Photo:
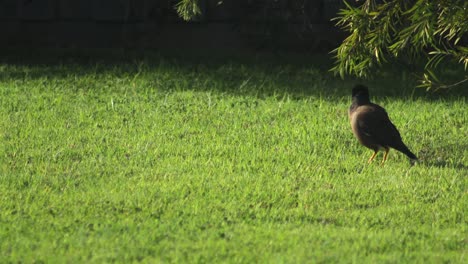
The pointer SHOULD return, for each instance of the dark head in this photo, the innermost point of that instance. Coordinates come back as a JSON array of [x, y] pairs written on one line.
[[361, 94]]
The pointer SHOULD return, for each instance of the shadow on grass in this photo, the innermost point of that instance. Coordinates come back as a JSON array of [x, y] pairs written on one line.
[[442, 156], [444, 164], [297, 75]]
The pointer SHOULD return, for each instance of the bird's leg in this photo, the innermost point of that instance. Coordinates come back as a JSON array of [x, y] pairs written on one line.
[[372, 157], [387, 150]]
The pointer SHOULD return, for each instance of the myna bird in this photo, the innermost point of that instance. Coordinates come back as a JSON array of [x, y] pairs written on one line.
[[373, 128]]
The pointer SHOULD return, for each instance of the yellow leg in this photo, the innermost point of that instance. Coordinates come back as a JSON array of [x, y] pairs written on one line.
[[387, 150], [372, 157]]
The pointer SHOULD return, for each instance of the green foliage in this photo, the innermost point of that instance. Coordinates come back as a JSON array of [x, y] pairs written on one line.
[[229, 163], [188, 9], [407, 30]]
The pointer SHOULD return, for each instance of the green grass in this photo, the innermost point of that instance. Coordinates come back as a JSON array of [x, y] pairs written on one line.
[[222, 162]]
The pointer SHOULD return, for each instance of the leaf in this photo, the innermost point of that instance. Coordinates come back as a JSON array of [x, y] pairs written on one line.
[[433, 75], [188, 9]]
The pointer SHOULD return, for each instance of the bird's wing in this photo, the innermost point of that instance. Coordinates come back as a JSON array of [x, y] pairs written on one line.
[[376, 124]]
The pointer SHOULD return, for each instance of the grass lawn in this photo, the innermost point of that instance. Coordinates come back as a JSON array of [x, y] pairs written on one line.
[[238, 162]]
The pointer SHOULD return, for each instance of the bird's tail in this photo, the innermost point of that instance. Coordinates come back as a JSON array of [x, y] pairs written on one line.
[[405, 150]]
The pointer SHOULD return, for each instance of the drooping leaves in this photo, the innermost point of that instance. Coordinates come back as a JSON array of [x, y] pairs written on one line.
[[389, 30]]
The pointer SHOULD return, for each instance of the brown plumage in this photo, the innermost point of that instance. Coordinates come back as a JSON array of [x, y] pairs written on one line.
[[373, 128]]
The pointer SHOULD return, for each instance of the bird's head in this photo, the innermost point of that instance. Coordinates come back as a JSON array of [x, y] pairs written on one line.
[[360, 95], [360, 91]]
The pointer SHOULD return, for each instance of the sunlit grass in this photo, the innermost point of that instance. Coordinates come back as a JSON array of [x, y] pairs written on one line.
[[230, 162]]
